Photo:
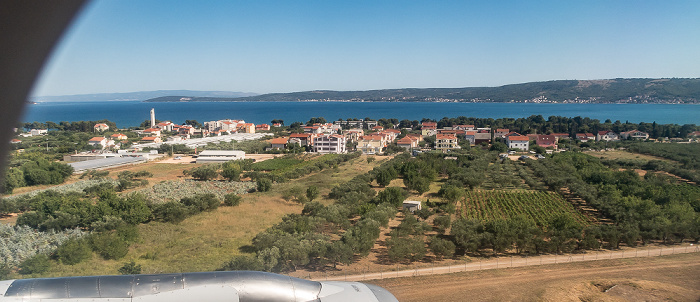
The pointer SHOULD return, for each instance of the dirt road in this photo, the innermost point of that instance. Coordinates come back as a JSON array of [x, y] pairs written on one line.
[[674, 277], [511, 262]]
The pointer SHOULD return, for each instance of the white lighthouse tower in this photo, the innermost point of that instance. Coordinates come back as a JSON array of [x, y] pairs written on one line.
[[153, 117]]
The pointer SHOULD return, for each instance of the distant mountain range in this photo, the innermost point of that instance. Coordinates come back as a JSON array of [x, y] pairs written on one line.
[[563, 91], [138, 96]]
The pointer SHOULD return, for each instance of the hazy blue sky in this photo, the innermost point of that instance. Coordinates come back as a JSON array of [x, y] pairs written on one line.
[[284, 46]]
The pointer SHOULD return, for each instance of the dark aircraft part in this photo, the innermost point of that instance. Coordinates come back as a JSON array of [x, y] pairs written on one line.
[[243, 286]]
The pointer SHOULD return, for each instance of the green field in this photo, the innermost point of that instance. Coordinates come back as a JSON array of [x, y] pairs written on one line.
[[538, 205]]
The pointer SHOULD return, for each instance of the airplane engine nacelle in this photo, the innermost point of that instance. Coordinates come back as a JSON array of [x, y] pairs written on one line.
[[235, 286]]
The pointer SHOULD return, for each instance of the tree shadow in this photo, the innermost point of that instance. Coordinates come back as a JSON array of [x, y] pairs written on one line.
[[247, 249]]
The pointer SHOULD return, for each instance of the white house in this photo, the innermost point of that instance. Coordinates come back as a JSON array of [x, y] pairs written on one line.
[[518, 142], [607, 136], [330, 144], [634, 134], [101, 127], [446, 142], [411, 205], [103, 142], [38, 132]]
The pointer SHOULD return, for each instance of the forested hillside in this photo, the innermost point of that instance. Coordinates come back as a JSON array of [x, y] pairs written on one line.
[[596, 91]]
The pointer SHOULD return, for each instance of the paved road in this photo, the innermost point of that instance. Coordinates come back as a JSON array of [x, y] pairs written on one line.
[[505, 262]]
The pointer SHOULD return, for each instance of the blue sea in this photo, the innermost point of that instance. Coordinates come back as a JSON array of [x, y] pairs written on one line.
[[133, 113]]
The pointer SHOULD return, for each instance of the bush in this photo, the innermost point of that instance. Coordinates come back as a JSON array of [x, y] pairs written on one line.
[[205, 172], [231, 171], [311, 193], [109, 245], [5, 271], [232, 200], [442, 248], [424, 213], [173, 212], [243, 263], [108, 223], [392, 195], [128, 233], [35, 265], [130, 268], [264, 184], [401, 248], [201, 202], [73, 251], [442, 223]]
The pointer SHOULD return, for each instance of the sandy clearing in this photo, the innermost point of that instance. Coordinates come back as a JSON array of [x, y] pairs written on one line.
[[664, 278]]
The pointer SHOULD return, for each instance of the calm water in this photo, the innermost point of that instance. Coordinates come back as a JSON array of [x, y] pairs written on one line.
[[127, 114]]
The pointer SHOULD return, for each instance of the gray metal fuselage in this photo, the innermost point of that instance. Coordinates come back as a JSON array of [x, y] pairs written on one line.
[[233, 286]]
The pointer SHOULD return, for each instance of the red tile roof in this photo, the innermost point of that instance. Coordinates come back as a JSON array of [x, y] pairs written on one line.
[[445, 136], [279, 141], [97, 139], [301, 135], [518, 138]]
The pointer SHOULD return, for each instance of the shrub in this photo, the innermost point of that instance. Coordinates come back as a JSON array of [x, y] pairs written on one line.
[[201, 202], [232, 200], [311, 193], [35, 265], [205, 172], [173, 212], [243, 263], [264, 184], [401, 248], [5, 271], [128, 233], [424, 213], [392, 195], [231, 171], [130, 268], [109, 245], [73, 251], [442, 223], [441, 247], [108, 223], [98, 189]]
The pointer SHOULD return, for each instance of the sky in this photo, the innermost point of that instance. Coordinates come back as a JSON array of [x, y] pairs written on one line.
[[265, 46]]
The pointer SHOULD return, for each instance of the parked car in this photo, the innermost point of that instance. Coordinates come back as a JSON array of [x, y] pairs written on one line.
[[539, 156], [523, 157], [178, 157]]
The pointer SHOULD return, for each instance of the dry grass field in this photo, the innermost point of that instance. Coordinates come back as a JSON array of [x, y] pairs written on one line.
[[619, 154], [204, 242], [667, 278]]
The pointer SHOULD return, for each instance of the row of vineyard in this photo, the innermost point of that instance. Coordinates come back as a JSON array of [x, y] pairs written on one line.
[[486, 205]]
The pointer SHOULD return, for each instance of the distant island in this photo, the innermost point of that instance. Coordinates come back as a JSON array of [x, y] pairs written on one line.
[[632, 91], [135, 96]]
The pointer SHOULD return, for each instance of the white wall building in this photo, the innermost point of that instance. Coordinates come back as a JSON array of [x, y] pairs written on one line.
[[218, 156], [330, 144], [518, 142]]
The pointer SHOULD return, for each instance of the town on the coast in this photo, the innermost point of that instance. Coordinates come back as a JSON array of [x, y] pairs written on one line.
[[315, 198], [128, 146]]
